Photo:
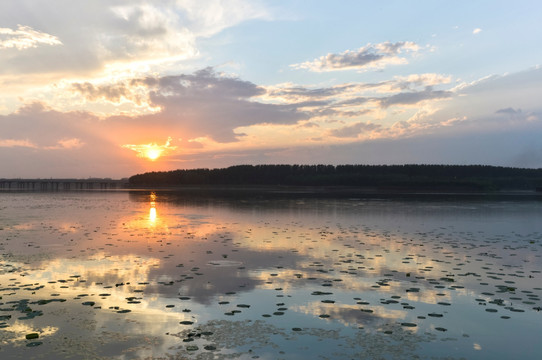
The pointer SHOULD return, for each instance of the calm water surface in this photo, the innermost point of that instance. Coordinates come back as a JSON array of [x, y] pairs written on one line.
[[135, 275]]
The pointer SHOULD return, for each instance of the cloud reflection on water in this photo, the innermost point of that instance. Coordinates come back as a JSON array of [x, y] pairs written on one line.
[[192, 253]]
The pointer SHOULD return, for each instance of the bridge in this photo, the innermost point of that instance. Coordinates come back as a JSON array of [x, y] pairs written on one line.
[[62, 184]]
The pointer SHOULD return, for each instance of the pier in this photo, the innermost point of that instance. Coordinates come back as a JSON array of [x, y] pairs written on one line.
[[62, 184]]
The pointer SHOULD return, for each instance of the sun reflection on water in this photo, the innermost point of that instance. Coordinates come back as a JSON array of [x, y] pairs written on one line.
[[152, 210]]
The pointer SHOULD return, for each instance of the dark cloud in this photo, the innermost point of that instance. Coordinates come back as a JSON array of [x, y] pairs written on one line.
[[202, 104], [299, 91], [296, 92], [204, 82], [360, 100], [205, 104], [113, 93], [410, 98], [509, 111]]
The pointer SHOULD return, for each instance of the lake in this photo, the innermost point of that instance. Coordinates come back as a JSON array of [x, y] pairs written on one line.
[[163, 275]]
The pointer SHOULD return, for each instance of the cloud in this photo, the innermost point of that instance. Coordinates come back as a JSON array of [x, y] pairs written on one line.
[[420, 80], [352, 131], [16, 143], [509, 111], [356, 99], [208, 104], [295, 93], [371, 56], [112, 35], [204, 104], [73, 143], [203, 114], [114, 93], [476, 31], [24, 37], [518, 116], [207, 18], [411, 98], [142, 31]]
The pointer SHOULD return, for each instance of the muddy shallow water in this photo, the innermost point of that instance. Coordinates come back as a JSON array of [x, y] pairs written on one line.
[[135, 275]]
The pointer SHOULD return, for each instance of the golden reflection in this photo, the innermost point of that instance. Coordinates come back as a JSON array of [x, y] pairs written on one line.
[[160, 218], [152, 210], [18, 330], [152, 215]]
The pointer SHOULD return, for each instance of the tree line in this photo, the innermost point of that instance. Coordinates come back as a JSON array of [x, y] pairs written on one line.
[[453, 177]]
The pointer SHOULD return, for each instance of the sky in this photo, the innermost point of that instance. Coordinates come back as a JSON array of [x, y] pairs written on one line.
[[113, 88]]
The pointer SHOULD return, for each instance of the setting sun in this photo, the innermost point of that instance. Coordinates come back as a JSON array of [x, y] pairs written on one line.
[[153, 153]]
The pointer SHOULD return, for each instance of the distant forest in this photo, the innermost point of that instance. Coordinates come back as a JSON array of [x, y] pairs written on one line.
[[384, 177]]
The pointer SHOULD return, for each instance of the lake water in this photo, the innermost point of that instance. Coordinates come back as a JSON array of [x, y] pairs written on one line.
[[136, 275]]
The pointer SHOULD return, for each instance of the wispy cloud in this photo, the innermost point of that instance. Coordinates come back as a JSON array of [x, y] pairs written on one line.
[[421, 80], [371, 56], [411, 98], [206, 18], [67, 144], [64, 144], [24, 37], [9, 143], [352, 100]]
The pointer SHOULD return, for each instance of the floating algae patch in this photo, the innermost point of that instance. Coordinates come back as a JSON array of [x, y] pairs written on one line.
[[68, 342], [255, 339], [230, 338], [224, 263]]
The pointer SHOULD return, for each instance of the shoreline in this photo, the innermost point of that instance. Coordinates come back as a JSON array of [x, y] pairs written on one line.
[[338, 192], [291, 191]]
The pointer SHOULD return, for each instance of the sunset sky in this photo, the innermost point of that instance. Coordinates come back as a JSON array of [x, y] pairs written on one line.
[[111, 88]]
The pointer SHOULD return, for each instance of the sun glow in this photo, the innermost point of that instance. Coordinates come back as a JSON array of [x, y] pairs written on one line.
[[151, 151]]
